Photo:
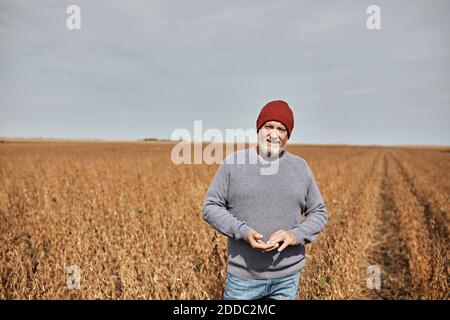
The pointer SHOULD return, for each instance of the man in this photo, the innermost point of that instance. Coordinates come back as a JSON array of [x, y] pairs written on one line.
[[260, 211]]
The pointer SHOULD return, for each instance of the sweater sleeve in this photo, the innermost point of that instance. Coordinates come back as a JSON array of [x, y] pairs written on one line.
[[215, 207], [315, 212]]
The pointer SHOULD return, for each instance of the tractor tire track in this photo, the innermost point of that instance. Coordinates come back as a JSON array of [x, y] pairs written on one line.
[[388, 250], [408, 246]]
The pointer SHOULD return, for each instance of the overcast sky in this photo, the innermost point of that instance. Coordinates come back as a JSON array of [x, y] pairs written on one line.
[[140, 69]]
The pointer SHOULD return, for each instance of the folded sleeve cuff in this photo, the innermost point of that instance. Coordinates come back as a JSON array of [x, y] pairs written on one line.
[[300, 235], [242, 232]]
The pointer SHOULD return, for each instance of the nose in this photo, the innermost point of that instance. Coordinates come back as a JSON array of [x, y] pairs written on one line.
[[274, 133]]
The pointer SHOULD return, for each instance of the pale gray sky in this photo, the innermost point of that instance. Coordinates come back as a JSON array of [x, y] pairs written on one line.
[[141, 69]]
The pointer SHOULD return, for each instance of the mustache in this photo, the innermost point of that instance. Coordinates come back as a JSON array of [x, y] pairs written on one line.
[[273, 140]]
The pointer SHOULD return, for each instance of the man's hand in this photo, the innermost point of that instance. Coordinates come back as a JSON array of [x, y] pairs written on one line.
[[255, 241], [285, 236]]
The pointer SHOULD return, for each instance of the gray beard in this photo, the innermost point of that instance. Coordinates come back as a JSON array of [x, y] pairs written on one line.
[[266, 151]]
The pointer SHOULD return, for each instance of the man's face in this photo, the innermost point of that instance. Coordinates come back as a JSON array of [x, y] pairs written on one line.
[[272, 138]]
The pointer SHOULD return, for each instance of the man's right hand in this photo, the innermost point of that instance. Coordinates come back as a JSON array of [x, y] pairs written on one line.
[[254, 239]]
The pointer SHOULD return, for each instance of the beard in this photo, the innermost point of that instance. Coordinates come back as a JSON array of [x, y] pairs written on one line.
[[269, 146]]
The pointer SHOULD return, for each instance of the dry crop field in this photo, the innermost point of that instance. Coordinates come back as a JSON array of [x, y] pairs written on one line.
[[130, 219]]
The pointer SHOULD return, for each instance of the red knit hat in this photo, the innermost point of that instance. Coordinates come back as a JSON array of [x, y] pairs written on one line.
[[276, 111]]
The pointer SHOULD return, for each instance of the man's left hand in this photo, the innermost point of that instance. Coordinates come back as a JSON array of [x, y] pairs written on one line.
[[285, 236]]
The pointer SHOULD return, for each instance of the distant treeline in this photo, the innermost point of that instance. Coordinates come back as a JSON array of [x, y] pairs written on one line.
[[156, 139]]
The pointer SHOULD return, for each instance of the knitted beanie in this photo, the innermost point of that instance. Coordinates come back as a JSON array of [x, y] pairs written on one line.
[[277, 110]]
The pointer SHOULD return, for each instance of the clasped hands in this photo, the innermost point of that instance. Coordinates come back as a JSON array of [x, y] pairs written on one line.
[[278, 240]]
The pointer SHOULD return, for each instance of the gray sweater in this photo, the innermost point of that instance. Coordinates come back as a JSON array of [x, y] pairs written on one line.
[[243, 196]]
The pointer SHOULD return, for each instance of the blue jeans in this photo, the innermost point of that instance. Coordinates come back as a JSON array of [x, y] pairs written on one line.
[[283, 288]]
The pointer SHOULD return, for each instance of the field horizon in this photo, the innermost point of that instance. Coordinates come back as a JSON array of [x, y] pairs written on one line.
[[95, 140]]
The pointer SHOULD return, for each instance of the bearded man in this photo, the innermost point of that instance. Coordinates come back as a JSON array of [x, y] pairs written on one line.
[[269, 207]]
